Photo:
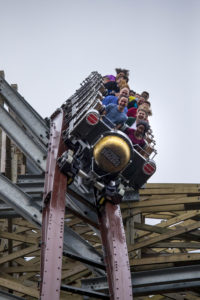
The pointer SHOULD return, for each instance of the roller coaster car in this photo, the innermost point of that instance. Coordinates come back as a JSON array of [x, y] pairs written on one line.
[[104, 157]]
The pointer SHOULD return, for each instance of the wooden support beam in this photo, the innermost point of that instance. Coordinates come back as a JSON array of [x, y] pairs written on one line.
[[70, 296], [91, 238], [10, 241], [191, 296], [19, 253], [75, 270], [72, 278], [165, 236], [22, 269], [12, 285], [24, 223], [171, 191], [155, 209], [174, 296], [171, 185], [22, 262], [150, 228], [159, 215], [160, 202], [18, 237], [179, 245], [36, 268], [173, 221], [171, 258]]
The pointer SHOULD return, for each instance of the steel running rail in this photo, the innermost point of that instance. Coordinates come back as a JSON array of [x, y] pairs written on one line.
[[53, 214], [115, 253]]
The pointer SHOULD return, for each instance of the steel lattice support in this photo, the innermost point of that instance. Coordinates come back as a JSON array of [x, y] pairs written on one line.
[[115, 253], [25, 113], [53, 215]]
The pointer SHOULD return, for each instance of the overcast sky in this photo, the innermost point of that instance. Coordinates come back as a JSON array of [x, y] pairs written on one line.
[[48, 47]]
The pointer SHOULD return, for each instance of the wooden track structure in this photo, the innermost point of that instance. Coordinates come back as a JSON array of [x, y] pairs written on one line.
[[169, 243], [162, 232]]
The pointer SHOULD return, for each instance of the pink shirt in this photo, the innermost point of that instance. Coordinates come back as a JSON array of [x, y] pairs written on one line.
[[130, 132]]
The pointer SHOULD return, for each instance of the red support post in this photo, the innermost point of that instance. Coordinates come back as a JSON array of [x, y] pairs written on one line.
[[53, 214], [115, 253]]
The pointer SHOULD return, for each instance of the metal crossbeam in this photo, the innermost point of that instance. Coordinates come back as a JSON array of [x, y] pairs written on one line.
[[166, 288], [168, 275], [24, 111], [84, 260], [9, 214], [29, 147], [19, 201], [84, 292], [154, 281]]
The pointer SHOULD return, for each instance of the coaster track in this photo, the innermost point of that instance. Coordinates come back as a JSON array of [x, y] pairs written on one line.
[[110, 220], [53, 214]]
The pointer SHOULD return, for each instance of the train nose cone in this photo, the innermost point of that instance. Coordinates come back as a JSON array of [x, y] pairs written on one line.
[[112, 154]]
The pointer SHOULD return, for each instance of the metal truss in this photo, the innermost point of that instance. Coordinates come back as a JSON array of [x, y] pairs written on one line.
[[19, 201], [153, 282], [24, 111], [30, 147], [84, 292]]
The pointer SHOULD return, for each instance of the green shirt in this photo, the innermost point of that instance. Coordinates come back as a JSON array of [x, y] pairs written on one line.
[[130, 121]]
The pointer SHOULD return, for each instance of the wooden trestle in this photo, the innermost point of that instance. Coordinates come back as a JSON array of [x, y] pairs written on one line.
[[170, 243], [173, 241]]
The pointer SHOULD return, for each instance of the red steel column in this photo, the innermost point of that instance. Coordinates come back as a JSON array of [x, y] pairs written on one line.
[[53, 214], [115, 253]]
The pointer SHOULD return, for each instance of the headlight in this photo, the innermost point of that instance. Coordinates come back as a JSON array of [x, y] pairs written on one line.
[[112, 153]]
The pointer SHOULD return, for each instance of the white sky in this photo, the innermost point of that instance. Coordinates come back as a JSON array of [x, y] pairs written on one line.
[[48, 47]]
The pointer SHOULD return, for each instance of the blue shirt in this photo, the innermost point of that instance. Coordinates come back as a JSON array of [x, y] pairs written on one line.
[[112, 99], [114, 115]]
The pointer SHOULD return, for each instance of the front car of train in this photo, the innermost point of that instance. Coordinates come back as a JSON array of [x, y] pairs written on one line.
[[102, 157]]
